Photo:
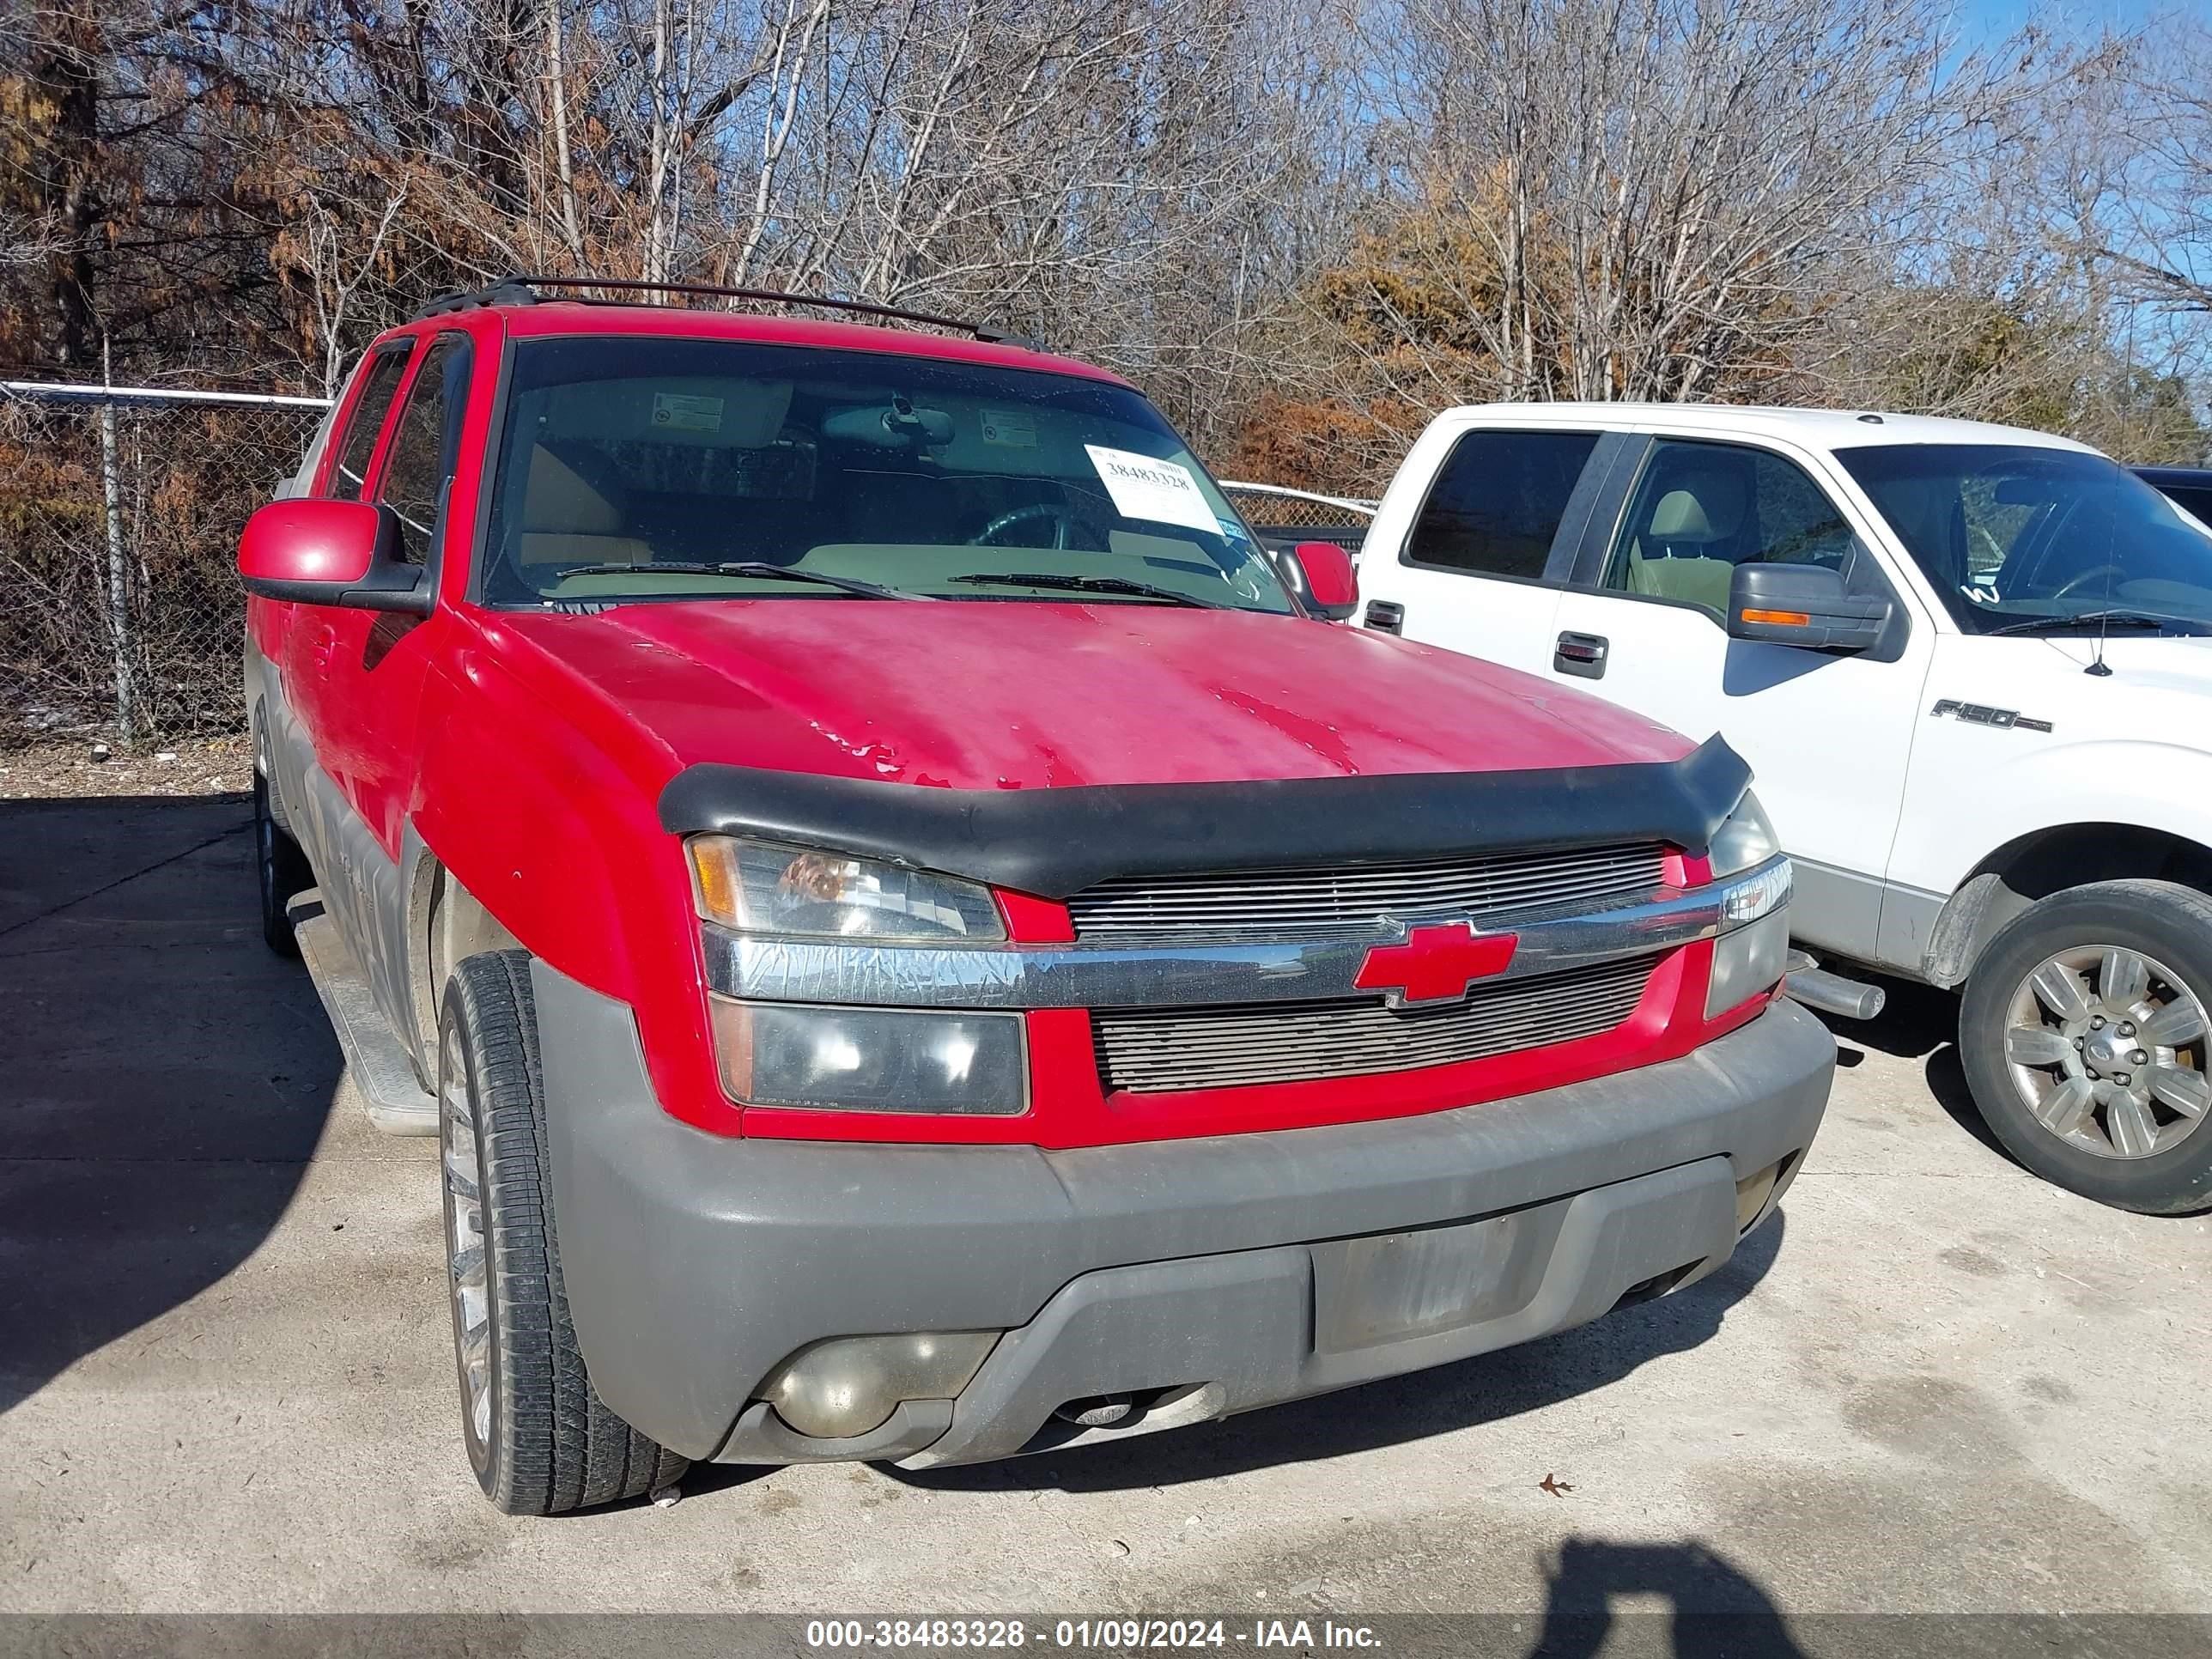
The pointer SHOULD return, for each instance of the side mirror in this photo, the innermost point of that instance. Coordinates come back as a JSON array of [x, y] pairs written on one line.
[[1332, 590], [324, 552], [1803, 604]]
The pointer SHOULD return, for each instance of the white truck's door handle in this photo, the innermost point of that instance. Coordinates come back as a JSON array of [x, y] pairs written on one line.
[[1582, 653]]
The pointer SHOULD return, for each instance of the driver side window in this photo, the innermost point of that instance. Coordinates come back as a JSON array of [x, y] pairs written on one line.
[[420, 462], [356, 445], [1701, 509]]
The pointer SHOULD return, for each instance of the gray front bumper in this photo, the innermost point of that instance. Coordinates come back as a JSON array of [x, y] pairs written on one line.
[[1206, 1276]]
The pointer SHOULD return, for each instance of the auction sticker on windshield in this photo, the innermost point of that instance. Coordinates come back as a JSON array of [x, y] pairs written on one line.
[[1143, 487]]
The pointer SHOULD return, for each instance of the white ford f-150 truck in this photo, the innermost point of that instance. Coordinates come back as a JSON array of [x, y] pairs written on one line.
[[1970, 665]]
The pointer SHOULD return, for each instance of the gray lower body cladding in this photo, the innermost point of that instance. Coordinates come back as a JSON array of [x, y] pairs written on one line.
[[1203, 1277]]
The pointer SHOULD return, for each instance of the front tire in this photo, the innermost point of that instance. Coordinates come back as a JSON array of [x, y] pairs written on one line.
[[282, 870], [539, 1436], [2083, 1034]]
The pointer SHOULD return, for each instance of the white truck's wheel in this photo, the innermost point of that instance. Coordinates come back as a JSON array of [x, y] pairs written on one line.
[[2084, 1035], [539, 1436]]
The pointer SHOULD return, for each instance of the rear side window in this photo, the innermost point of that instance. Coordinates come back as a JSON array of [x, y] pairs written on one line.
[[421, 463], [1497, 501], [379, 381]]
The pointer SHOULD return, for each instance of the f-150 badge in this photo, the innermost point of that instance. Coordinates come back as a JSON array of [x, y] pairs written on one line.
[[1980, 713]]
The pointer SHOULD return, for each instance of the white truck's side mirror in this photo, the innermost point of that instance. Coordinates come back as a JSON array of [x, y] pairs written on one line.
[[1803, 604]]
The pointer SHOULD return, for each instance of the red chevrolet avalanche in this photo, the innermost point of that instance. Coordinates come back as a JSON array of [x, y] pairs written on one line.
[[922, 942]]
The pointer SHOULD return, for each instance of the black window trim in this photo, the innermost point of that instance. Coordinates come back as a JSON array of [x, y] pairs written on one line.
[[1559, 557], [1601, 526], [1595, 551], [488, 465]]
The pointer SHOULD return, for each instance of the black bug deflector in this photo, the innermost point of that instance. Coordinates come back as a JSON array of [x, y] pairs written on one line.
[[1054, 842]]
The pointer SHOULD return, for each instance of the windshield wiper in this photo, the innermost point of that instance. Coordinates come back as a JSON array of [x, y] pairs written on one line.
[[753, 567], [2092, 619], [1095, 585]]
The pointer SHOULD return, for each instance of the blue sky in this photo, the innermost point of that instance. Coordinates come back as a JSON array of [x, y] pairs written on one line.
[[2001, 17]]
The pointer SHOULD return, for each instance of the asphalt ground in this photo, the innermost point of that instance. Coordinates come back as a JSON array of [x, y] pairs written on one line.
[[1934, 1386]]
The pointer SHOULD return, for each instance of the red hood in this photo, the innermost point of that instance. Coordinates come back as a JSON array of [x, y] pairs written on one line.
[[976, 695]]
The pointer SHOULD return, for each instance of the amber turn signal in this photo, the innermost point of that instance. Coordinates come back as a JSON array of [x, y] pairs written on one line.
[[1785, 618]]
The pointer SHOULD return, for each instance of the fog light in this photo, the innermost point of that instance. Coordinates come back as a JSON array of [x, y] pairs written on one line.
[[1752, 1194], [848, 1385]]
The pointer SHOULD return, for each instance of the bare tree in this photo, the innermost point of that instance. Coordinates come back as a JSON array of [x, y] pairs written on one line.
[[2127, 217], [1663, 198], [1302, 224], [336, 266]]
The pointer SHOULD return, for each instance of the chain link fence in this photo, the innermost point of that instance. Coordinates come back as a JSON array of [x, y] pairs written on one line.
[[1284, 517], [119, 514]]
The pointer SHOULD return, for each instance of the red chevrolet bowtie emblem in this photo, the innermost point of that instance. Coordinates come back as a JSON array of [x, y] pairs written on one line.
[[1435, 964]]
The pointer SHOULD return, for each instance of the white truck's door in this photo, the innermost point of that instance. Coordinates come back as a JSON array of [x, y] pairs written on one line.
[[1828, 736], [1466, 551]]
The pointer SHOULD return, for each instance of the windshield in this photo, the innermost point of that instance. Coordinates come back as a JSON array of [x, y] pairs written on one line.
[[2018, 535], [635, 469]]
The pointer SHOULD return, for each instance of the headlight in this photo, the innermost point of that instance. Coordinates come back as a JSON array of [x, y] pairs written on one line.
[[1749, 956], [762, 888], [871, 1060], [1745, 840], [855, 1060]]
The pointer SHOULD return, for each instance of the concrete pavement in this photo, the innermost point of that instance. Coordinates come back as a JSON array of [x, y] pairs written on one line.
[[226, 1382]]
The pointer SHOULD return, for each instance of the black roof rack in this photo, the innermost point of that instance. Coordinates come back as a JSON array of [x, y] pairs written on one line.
[[506, 291], [522, 290]]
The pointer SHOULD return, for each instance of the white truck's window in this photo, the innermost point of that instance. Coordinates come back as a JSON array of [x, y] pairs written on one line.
[[1498, 500], [1701, 509], [2024, 538]]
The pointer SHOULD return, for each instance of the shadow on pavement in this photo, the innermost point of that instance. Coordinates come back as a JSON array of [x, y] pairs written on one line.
[[1918, 1022], [1714, 1606], [1483, 1389], [167, 1076]]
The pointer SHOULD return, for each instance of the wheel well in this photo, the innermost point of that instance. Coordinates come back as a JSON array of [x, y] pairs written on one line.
[[446, 925], [2036, 866], [264, 766]]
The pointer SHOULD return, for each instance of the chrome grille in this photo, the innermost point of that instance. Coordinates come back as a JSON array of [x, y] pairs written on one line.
[[1346, 901], [1155, 1051]]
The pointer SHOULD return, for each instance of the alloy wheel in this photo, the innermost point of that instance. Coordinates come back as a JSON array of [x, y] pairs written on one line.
[[2107, 1046], [467, 1274]]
